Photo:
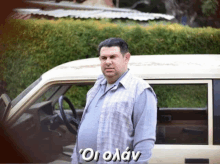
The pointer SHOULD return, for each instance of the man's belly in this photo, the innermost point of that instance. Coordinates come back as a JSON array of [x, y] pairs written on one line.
[[87, 135]]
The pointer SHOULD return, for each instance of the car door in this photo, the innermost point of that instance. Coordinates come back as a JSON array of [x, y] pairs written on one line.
[[185, 122]]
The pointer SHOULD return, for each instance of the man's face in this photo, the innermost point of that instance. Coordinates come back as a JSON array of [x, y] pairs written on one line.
[[113, 63]]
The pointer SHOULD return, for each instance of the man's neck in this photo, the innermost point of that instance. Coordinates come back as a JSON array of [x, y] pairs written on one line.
[[111, 81]]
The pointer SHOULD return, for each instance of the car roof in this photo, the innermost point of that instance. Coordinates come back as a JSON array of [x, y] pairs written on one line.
[[144, 66]]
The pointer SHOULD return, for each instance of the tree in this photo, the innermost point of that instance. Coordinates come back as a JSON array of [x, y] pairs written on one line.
[[204, 12], [210, 7], [103, 3], [147, 2]]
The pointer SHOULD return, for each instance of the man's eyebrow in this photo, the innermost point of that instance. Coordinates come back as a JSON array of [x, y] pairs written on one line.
[[109, 55], [114, 55]]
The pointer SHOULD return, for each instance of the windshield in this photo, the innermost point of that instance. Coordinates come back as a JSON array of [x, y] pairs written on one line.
[[25, 92]]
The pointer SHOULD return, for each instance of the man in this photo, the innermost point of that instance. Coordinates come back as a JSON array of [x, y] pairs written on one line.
[[120, 110]]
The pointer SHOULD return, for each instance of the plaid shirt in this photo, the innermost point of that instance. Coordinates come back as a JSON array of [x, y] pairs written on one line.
[[115, 122]]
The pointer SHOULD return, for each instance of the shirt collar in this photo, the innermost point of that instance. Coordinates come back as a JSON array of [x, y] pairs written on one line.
[[121, 80]]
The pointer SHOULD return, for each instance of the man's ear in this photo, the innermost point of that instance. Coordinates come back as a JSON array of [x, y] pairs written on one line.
[[127, 57]]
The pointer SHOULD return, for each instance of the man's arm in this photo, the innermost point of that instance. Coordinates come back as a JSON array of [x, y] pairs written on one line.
[[144, 120]]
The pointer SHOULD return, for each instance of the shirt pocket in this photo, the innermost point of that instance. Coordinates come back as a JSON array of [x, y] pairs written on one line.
[[120, 112]]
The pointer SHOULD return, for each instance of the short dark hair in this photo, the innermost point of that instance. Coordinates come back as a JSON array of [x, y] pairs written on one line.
[[114, 42]]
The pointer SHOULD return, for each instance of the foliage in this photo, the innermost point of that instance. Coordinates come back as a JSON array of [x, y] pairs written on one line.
[[209, 7], [77, 95], [180, 96], [31, 47], [153, 6]]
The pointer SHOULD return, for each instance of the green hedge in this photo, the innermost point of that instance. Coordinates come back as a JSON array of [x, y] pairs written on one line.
[[31, 47]]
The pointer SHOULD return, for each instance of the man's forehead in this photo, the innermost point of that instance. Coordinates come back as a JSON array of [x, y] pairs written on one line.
[[110, 50]]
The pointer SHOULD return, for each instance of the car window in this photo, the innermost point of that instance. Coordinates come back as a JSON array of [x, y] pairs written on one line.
[[2, 109], [182, 113], [48, 94], [77, 96], [25, 92]]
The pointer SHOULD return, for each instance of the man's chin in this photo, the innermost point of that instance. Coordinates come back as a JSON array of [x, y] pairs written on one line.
[[109, 75]]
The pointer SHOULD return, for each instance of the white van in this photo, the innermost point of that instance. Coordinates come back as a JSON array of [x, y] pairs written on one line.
[[188, 91]]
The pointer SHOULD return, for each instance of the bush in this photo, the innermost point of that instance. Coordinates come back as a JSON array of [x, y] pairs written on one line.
[[31, 47]]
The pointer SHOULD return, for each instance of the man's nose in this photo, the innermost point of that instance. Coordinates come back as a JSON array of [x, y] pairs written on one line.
[[108, 61]]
